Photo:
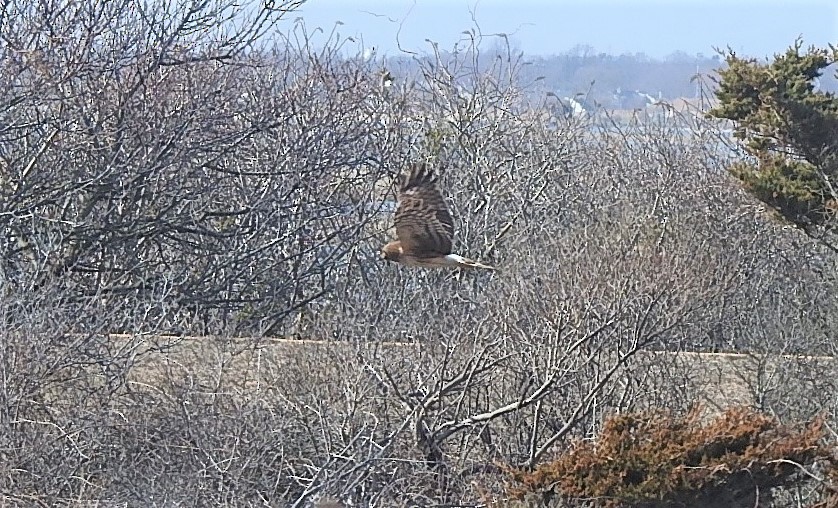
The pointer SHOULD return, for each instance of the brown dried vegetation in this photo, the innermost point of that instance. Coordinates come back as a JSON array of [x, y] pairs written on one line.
[[656, 459]]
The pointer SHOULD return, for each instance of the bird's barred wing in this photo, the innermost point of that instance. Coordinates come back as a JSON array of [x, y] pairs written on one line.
[[423, 223]]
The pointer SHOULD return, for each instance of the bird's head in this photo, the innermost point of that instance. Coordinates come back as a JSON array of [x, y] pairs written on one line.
[[391, 252]]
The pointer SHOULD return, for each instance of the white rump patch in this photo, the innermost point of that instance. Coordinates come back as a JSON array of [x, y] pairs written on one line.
[[455, 260]]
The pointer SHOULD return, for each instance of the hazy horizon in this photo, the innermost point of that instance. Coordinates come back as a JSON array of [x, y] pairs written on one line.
[[539, 27]]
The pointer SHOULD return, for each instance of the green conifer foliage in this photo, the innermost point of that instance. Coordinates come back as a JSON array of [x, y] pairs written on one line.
[[789, 128]]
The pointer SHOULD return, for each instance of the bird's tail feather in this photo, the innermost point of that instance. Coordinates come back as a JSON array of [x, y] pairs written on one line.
[[469, 263]]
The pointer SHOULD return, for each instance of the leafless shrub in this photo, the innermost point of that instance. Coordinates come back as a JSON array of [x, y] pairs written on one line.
[[166, 180], [165, 165]]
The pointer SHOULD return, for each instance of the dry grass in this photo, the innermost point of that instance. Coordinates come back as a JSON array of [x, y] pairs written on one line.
[[247, 365]]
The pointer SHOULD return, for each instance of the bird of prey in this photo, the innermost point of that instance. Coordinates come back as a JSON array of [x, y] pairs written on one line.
[[424, 227]]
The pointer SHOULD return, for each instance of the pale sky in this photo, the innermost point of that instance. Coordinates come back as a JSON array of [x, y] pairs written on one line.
[[544, 27]]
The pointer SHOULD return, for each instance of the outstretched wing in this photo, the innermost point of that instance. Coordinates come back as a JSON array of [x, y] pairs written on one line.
[[423, 223]]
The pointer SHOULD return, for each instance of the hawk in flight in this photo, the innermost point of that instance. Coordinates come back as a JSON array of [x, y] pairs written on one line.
[[424, 227]]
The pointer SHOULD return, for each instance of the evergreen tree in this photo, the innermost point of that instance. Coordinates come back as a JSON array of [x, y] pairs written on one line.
[[789, 128]]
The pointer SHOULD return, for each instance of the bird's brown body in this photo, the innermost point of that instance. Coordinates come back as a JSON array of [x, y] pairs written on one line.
[[424, 226]]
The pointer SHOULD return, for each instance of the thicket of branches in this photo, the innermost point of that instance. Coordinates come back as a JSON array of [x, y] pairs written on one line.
[[169, 170]]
